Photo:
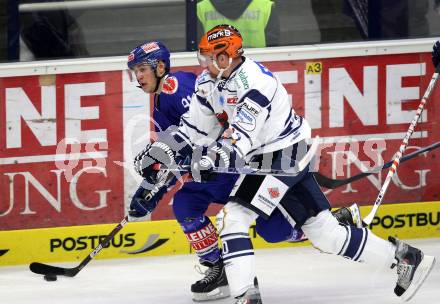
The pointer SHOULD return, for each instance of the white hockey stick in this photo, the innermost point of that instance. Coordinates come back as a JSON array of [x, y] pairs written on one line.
[[299, 167], [369, 218]]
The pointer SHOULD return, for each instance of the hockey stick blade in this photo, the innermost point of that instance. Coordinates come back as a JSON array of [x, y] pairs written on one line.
[[44, 269], [330, 183]]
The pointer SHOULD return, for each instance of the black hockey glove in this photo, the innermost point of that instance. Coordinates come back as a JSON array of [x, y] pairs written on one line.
[[148, 162], [217, 156], [168, 150], [147, 196], [436, 54], [202, 170], [144, 201]]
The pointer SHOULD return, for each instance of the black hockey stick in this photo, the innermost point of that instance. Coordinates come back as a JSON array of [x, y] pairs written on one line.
[[329, 183], [45, 269]]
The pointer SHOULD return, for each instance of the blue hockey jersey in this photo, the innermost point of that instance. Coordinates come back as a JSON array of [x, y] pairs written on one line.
[[174, 99]]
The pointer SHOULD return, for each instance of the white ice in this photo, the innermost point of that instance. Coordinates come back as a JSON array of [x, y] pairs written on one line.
[[293, 275]]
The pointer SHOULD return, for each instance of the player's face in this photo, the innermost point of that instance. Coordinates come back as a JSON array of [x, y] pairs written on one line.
[[206, 61], [145, 77]]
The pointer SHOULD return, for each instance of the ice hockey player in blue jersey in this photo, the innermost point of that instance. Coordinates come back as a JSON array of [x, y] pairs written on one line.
[[150, 62], [264, 129]]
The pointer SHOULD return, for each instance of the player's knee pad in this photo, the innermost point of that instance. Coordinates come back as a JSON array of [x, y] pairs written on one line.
[[233, 223], [328, 235], [203, 237], [234, 218], [325, 233]]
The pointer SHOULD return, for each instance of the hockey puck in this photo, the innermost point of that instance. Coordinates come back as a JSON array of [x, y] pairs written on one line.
[[50, 277]]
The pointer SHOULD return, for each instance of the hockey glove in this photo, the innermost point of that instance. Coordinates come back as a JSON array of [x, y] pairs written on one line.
[[202, 170], [436, 54], [148, 162], [144, 201], [218, 156]]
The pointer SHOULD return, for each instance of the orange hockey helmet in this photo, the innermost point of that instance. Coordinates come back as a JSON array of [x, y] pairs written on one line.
[[222, 38]]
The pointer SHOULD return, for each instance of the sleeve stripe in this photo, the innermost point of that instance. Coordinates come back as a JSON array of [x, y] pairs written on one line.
[[200, 83], [203, 102], [257, 97], [184, 136], [288, 119], [288, 130], [193, 127], [239, 152], [242, 132]]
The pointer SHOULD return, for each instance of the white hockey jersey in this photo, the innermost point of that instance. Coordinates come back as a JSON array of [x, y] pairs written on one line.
[[258, 110]]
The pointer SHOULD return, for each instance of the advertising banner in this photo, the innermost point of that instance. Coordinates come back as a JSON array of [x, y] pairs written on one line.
[[67, 141], [158, 238], [59, 139]]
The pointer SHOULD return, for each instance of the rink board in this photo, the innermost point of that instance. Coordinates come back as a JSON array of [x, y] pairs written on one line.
[[157, 238], [72, 128]]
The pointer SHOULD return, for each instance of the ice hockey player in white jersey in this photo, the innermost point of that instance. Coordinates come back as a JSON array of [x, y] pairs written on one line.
[[265, 130]]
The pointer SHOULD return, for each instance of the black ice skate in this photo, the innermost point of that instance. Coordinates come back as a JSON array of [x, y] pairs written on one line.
[[213, 286], [251, 296], [349, 216], [412, 269]]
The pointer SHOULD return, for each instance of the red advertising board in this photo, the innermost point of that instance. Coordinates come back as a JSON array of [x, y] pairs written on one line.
[[59, 140], [62, 135]]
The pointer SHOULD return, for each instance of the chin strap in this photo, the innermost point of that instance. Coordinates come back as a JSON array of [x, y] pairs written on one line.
[[159, 82], [219, 76], [221, 71]]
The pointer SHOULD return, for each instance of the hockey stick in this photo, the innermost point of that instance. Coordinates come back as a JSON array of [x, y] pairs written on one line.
[[45, 269], [322, 180], [369, 218], [330, 183], [300, 166]]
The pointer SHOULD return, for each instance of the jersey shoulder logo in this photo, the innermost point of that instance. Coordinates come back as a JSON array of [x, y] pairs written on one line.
[[170, 85]]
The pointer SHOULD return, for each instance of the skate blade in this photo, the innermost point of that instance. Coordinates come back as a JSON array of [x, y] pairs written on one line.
[[216, 294], [421, 274]]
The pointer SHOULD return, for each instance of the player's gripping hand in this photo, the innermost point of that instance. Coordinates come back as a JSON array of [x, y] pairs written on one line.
[[217, 156], [202, 170], [144, 201], [148, 162], [436, 54]]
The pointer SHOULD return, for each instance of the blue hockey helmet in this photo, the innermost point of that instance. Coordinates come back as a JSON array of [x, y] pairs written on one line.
[[149, 52]]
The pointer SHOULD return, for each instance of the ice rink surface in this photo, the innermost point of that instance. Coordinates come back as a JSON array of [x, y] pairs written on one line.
[[293, 275]]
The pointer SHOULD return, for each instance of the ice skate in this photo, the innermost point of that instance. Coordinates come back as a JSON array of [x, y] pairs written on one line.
[[412, 269], [213, 286], [349, 215], [251, 296]]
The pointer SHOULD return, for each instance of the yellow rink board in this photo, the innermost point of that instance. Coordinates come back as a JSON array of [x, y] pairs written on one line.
[[410, 220]]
